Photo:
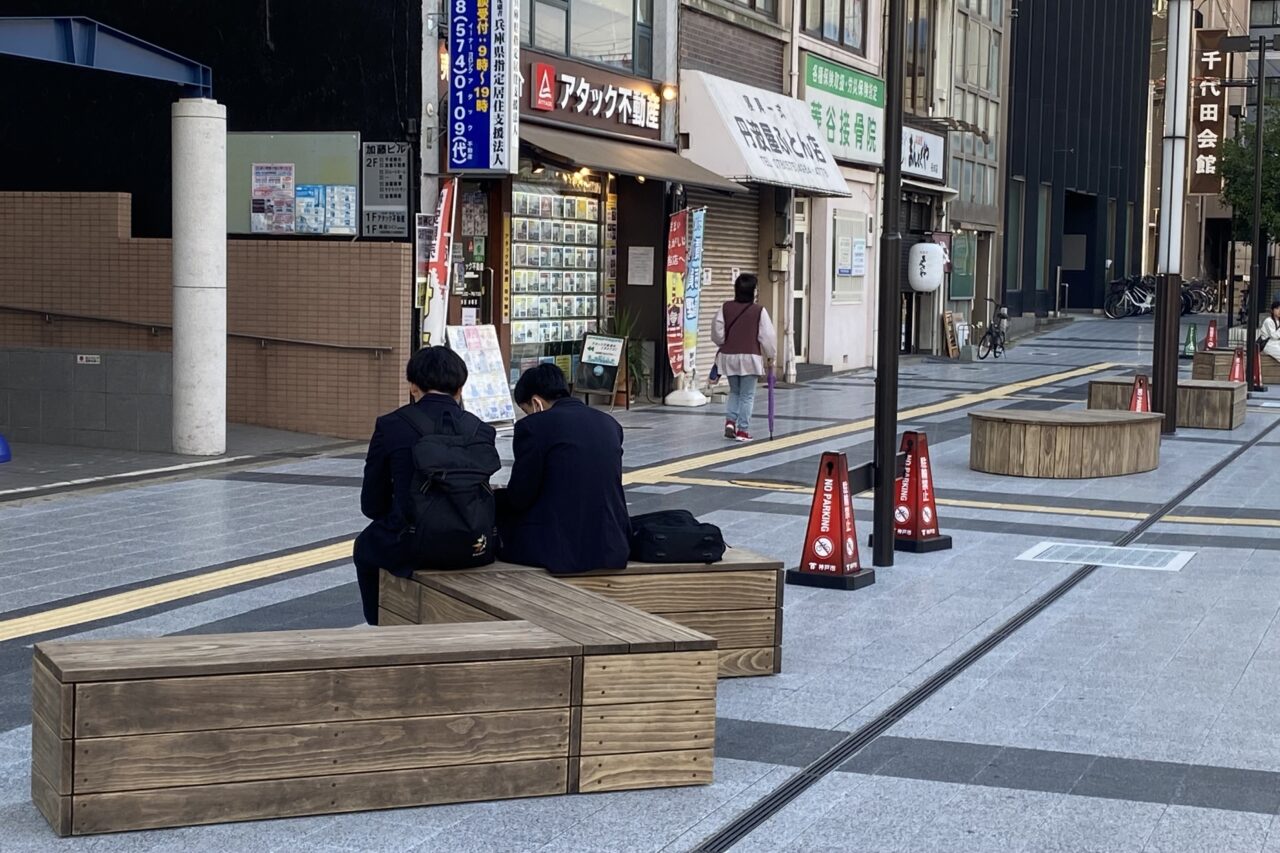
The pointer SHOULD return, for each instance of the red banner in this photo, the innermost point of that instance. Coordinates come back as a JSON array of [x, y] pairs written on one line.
[[915, 512], [1140, 399], [831, 542], [677, 267]]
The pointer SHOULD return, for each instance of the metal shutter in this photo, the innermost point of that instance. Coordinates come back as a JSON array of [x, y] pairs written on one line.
[[732, 239]]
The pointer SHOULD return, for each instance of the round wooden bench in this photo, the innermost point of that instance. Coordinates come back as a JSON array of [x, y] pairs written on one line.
[[1069, 444]]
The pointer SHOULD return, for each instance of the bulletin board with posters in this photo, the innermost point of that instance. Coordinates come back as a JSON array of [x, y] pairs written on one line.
[[486, 394], [283, 184]]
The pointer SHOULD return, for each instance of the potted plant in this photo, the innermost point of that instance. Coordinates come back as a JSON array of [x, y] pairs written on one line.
[[624, 325]]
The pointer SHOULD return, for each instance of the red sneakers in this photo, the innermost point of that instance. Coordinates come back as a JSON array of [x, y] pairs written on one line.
[[742, 435]]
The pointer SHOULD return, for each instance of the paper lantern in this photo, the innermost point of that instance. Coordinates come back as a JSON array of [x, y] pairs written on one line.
[[924, 267]]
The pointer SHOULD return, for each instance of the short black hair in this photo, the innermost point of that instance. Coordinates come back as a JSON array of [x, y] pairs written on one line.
[[546, 381], [744, 288], [437, 369], [1275, 305]]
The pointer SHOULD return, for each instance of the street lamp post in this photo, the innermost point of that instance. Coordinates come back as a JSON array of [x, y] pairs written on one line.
[[886, 404]]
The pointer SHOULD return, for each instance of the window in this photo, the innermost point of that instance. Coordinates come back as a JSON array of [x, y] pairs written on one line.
[[918, 87], [1264, 13], [1114, 272], [1013, 237], [1042, 237], [993, 75], [768, 8], [1130, 256], [618, 33], [843, 22]]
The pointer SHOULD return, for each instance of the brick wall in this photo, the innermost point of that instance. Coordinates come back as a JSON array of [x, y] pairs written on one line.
[[73, 253], [718, 47]]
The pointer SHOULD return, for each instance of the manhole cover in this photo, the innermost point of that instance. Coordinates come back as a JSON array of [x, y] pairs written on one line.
[[1150, 559]]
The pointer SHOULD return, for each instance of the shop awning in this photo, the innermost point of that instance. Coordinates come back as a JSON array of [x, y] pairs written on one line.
[[754, 135], [578, 149], [943, 190]]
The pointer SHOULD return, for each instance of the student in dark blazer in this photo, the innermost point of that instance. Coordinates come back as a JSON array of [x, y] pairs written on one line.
[[436, 376], [564, 508]]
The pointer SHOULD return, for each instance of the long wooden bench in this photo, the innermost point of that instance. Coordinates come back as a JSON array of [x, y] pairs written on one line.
[[141, 734], [1202, 403], [1215, 364], [648, 685], [738, 601], [1070, 444]]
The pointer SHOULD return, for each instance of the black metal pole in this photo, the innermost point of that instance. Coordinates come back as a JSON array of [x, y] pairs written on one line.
[[1259, 234], [886, 408]]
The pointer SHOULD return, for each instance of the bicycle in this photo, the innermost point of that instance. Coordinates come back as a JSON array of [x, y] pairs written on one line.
[[1130, 296], [992, 342]]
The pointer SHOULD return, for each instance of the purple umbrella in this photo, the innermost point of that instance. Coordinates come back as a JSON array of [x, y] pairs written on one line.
[[773, 383]]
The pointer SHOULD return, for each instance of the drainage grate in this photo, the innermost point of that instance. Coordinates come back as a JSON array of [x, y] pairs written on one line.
[[1151, 559]]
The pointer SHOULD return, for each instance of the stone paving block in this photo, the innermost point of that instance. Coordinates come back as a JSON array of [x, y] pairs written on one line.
[[1184, 828]]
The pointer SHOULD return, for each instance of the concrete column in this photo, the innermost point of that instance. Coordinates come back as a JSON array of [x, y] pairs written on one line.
[[199, 277]]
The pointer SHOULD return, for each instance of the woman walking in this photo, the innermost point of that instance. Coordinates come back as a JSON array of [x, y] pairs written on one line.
[[747, 340]]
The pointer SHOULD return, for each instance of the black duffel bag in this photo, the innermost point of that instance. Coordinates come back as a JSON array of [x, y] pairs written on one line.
[[675, 536]]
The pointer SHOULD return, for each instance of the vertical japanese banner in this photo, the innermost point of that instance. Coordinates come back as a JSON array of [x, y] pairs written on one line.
[[693, 286], [436, 296], [1208, 113], [677, 266], [484, 59]]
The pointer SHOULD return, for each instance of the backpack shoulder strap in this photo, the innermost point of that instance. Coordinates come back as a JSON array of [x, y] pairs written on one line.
[[417, 419]]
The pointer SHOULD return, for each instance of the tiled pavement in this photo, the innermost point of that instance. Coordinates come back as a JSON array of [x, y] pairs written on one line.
[[1134, 713]]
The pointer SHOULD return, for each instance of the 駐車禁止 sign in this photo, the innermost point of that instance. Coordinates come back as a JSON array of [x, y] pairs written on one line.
[[484, 61]]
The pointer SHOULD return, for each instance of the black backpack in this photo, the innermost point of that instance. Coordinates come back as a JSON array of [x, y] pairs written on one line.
[[675, 536], [454, 523]]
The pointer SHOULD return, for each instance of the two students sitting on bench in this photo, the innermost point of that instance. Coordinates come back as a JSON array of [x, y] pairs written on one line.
[[426, 482]]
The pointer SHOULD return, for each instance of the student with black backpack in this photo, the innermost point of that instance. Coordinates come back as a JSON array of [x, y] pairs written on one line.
[[426, 481]]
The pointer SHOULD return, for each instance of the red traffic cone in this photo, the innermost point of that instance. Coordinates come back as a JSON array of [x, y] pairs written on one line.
[[1211, 339], [915, 513], [830, 557], [1140, 399], [1237, 366]]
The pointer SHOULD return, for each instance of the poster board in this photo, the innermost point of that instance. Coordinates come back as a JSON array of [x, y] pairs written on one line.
[[486, 394], [325, 166], [600, 364], [949, 330]]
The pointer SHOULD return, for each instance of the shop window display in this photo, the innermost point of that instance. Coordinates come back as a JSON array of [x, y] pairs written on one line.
[[557, 256]]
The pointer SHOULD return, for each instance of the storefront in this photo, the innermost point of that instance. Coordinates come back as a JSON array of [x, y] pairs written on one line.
[[834, 301], [924, 194], [767, 142], [574, 241]]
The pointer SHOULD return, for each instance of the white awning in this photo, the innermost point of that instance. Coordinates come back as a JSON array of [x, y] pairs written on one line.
[[753, 135], [945, 191]]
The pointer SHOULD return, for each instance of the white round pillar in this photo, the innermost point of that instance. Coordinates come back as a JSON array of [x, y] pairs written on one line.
[[199, 277]]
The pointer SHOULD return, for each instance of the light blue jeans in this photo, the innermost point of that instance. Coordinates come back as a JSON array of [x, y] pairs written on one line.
[[741, 402]]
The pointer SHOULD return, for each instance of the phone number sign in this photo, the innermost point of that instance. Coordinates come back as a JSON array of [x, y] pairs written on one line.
[[484, 59]]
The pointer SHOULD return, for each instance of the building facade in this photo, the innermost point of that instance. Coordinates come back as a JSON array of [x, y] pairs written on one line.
[[1076, 151]]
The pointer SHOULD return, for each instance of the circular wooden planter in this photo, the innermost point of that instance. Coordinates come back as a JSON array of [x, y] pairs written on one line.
[[1063, 444]]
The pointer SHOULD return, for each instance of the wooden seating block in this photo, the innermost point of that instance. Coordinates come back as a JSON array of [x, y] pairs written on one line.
[[645, 690], [1202, 403], [141, 734], [1216, 365], [1063, 444]]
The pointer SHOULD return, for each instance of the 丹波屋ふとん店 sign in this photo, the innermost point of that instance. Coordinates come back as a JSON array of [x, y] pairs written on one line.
[[484, 61]]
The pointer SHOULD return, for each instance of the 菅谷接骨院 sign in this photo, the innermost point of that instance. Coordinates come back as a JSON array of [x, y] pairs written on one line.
[[484, 63], [847, 108]]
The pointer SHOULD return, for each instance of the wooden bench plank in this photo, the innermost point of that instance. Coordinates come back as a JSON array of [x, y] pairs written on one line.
[[645, 770], [51, 700], [687, 592], [648, 727], [186, 806], [438, 607], [390, 617], [397, 594], [51, 756], [631, 679], [733, 629], [740, 663], [285, 651], [55, 807], [499, 599], [248, 701], [1064, 443], [735, 560], [287, 752], [644, 632]]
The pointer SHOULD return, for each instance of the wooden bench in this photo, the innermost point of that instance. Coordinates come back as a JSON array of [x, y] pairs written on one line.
[[1215, 364], [141, 734], [648, 685], [1202, 403], [738, 601], [1070, 444]]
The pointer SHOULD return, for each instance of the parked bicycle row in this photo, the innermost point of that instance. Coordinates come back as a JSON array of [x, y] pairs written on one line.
[[1137, 295]]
